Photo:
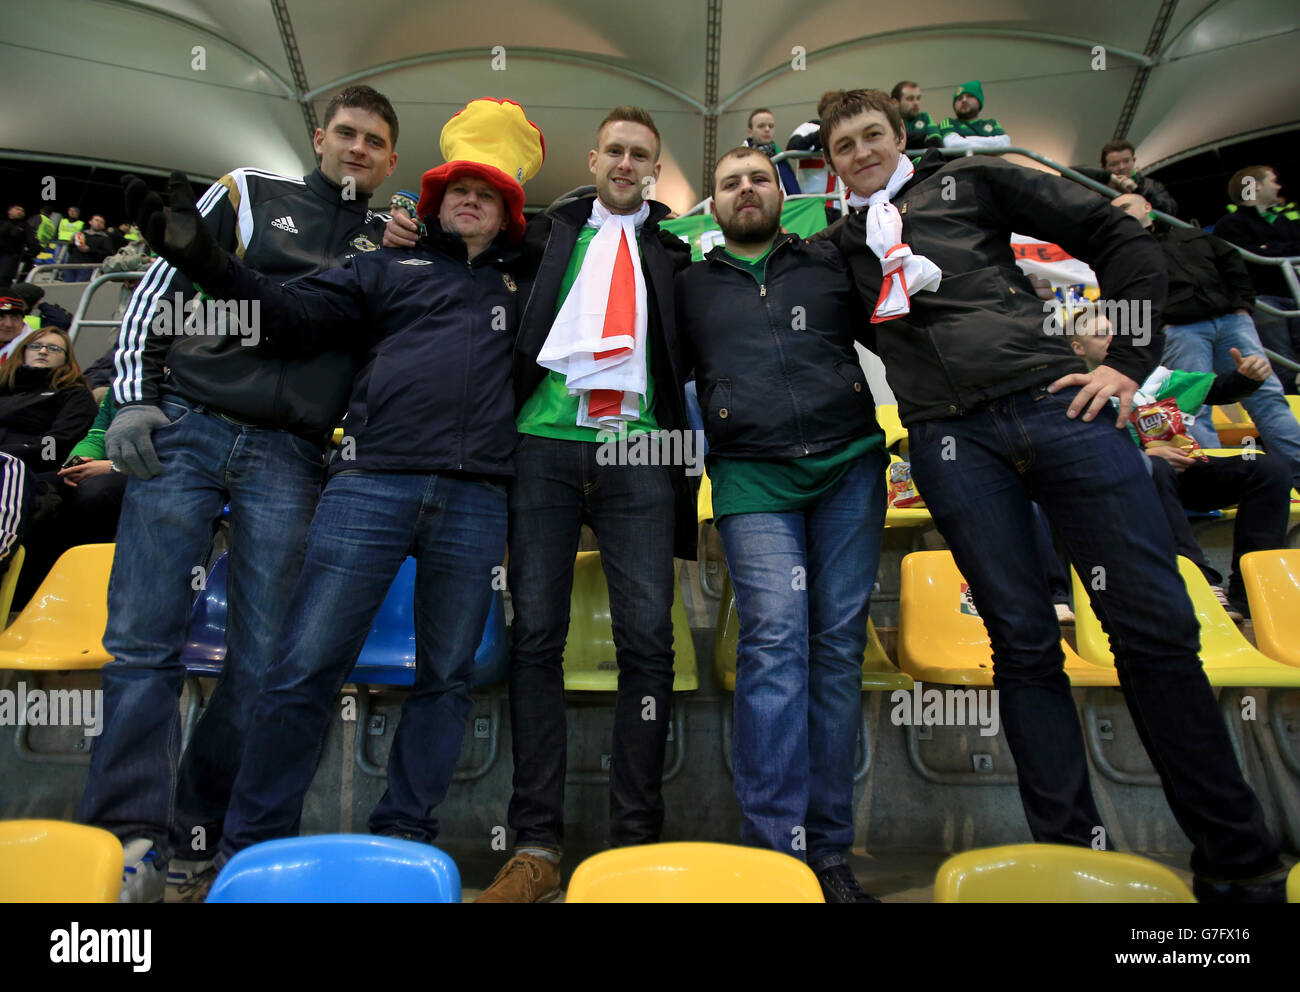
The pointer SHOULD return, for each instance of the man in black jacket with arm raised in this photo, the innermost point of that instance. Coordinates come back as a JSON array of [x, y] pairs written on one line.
[[1000, 412]]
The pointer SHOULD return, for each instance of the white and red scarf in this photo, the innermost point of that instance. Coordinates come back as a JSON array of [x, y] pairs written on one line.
[[597, 341], [903, 273]]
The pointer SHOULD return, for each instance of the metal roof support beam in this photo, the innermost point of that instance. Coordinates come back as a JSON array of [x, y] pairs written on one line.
[[1139, 85], [516, 51], [712, 55], [290, 42], [965, 30]]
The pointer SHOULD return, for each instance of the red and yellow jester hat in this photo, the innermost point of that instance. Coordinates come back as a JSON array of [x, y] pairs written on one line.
[[491, 140]]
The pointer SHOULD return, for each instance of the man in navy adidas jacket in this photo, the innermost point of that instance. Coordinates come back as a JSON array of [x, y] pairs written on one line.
[[422, 470], [228, 421]]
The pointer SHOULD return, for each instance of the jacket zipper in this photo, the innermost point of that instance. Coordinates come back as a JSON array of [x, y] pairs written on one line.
[[762, 292]]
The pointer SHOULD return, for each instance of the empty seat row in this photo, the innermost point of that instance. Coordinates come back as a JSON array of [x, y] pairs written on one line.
[[52, 861]]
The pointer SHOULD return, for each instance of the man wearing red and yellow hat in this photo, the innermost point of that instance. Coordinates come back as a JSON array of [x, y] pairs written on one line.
[[422, 471]]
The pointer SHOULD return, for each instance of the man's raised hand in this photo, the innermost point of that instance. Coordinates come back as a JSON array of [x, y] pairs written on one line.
[[1252, 366], [175, 229]]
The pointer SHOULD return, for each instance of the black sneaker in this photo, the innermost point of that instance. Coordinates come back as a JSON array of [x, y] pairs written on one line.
[[196, 889], [839, 885], [1269, 887]]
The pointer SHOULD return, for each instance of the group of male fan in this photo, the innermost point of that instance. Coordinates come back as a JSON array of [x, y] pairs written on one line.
[[481, 361]]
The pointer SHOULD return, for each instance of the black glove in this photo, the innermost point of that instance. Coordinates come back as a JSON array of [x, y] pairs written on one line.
[[175, 230]]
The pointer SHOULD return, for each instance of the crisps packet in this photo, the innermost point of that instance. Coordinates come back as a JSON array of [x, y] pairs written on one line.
[[1161, 425], [902, 492]]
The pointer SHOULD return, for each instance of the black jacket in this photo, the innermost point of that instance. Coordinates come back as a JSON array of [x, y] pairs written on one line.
[[984, 333], [549, 241], [775, 366], [435, 331], [1245, 227], [98, 247], [31, 411], [284, 228], [1207, 278]]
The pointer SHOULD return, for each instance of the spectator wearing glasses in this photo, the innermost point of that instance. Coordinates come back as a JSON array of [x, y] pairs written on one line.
[[45, 405]]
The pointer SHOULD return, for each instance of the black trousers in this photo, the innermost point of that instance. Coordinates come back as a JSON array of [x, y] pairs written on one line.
[[1260, 488]]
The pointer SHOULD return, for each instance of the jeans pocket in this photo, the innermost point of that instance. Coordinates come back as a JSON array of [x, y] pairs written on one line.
[[175, 412]]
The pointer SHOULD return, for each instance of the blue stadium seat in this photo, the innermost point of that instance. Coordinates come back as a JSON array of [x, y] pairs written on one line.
[[338, 868], [388, 656]]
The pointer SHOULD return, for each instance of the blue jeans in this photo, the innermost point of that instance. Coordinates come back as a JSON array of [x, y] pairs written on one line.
[[1204, 347], [978, 474], [558, 486], [366, 525], [272, 481], [803, 588], [1280, 334]]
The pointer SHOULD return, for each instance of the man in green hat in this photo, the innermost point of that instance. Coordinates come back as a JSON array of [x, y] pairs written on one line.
[[967, 129]]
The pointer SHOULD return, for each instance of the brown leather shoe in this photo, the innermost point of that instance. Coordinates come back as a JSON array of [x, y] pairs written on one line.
[[525, 878]]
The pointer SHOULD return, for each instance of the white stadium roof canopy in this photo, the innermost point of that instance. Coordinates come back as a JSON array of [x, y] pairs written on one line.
[[114, 81]]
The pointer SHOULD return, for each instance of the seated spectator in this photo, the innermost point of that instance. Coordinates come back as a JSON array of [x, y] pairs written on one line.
[[40, 313], [906, 96], [12, 235], [1261, 221], [45, 404], [13, 310], [90, 500], [1208, 317], [1119, 171], [1259, 485], [762, 135], [967, 129], [92, 244]]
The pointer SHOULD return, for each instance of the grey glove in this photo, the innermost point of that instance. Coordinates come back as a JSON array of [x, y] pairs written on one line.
[[129, 440]]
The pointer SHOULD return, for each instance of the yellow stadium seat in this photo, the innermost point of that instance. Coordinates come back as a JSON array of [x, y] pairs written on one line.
[[1294, 403], [704, 501], [878, 672], [693, 872], [10, 582], [888, 419], [590, 663], [1273, 587], [1233, 424], [1055, 873], [62, 627], [940, 638], [54, 861], [1293, 884], [1228, 658]]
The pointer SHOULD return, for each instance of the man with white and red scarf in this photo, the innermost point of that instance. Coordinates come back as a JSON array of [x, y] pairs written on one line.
[[597, 348], [1000, 412]]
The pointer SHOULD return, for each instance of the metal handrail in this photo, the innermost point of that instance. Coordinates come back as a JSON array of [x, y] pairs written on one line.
[[79, 316], [1286, 263]]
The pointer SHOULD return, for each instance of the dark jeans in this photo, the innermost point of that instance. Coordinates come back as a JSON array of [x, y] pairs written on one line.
[[366, 525], [978, 474], [1260, 488], [272, 481], [558, 486], [803, 584]]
